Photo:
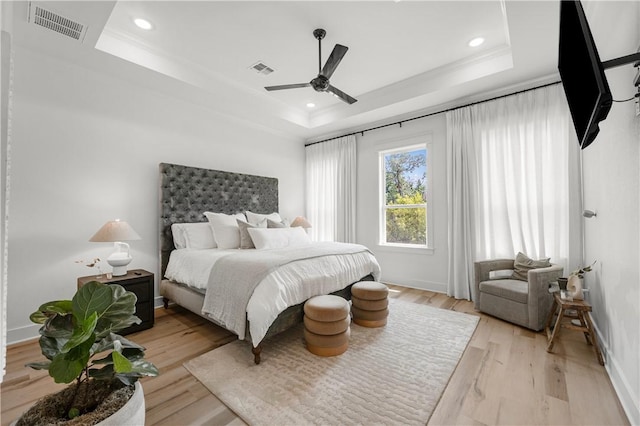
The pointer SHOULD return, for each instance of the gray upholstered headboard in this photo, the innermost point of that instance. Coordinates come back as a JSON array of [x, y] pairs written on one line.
[[187, 192]]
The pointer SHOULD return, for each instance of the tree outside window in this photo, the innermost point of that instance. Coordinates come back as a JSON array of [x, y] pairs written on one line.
[[404, 204]]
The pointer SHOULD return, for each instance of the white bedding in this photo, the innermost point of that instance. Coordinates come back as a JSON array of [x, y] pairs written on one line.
[[282, 287]]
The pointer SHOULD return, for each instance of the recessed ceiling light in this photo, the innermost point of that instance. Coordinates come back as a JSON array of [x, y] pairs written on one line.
[[311, 105], [143, 23], [476, 42]]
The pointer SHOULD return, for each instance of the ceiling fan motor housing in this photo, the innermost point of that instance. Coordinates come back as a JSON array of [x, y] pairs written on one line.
[[319, 33], [320, 83]]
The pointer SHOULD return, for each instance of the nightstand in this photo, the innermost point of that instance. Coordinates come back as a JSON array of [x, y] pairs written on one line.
[[137, 281]]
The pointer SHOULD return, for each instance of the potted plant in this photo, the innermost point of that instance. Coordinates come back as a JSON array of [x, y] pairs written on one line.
[[78, 339]]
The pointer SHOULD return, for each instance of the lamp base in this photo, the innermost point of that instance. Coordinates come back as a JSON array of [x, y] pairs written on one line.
[[119, 271], [119, 264]]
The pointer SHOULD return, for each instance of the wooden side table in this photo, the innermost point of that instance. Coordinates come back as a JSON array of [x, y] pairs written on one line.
[[582, 309], [139, 282]]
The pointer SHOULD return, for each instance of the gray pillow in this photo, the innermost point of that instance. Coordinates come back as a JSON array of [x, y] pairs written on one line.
[[523, 264], [245, 239], [275, 224]]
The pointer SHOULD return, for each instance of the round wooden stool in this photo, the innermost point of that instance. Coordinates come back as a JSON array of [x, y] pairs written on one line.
[[370, 303], [326, 325]]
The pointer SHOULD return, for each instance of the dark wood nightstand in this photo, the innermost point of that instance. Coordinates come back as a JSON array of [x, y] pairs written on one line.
[[137, 281]]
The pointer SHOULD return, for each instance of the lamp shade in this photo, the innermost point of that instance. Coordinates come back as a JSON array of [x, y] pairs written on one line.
[[115, 230], [301, 221]]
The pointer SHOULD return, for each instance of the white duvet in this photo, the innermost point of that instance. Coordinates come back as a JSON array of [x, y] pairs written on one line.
[[286, 286]]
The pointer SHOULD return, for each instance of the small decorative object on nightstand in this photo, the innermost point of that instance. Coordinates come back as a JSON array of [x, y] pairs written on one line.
[[139, 282]]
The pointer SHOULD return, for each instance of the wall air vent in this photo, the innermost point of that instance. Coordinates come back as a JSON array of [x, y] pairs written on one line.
[[261, 68], [40, 16]]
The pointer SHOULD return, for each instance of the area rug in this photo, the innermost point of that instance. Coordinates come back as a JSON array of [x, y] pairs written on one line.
[[389, 375]]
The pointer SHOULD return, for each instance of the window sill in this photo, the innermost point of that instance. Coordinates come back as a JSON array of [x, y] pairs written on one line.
[[406, 249]]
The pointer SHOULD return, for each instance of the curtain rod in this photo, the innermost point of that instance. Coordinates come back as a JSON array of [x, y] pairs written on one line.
[[362, 132]]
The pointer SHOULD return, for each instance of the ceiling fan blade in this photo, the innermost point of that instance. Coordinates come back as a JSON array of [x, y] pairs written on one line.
[[288, 86], [334, 59], [339, 93]]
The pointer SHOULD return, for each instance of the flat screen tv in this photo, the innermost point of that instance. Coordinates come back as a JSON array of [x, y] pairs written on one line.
[[582, 73]]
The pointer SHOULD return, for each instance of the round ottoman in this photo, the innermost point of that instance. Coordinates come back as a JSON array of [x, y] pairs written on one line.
[[326, 325], [370, 303]]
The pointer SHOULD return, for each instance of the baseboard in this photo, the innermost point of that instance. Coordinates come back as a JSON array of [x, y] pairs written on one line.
[[621, 386], [419, 285], [22, 334]]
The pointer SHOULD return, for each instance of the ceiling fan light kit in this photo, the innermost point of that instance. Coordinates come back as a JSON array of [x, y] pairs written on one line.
[[321, 83]]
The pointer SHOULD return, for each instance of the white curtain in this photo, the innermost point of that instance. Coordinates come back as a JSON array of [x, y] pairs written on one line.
[[6, 105], [331, 189], [511, 183]]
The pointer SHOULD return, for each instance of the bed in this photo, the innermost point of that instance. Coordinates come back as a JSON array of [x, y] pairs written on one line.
[[279, 279]]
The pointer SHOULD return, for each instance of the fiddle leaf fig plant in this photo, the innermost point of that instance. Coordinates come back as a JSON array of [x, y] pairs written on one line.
[[78, 337]]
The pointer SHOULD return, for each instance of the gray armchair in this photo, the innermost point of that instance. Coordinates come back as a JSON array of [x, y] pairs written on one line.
[[526, 303]]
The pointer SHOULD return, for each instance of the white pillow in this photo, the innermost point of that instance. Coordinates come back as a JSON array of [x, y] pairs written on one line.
[[225, 229], [198, 235], [266, 238], [256, 218], [179, 238]]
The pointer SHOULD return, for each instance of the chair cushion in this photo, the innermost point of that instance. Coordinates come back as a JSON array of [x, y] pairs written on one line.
[[523, 264], [515, 290]]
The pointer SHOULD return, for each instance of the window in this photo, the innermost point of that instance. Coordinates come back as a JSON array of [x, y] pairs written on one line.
[[404, 197]]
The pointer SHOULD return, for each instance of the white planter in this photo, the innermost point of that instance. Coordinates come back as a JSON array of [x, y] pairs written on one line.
[[131, 414]]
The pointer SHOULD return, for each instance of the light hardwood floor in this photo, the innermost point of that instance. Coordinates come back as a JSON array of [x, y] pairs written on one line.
[[504, 377]]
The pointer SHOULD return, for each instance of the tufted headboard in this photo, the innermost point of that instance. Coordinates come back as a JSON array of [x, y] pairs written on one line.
[[187, 192]]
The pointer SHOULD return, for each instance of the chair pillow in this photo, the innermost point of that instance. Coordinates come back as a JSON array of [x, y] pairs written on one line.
[[523, 264]]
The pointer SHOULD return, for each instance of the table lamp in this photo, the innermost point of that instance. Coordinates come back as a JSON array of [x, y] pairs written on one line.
[[117, 231], [302, 222]]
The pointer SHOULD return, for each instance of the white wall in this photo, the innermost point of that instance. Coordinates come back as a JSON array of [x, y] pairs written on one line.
[[612, 188], [408, 267], [86, 149]]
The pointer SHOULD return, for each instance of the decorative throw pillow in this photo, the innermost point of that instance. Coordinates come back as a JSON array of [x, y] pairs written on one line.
[[225, 229], [276, 224], [245, 239], [255, 218], [523, 264], [278, 237]]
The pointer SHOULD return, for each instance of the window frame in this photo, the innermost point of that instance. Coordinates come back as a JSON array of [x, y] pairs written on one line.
[[412, 145]]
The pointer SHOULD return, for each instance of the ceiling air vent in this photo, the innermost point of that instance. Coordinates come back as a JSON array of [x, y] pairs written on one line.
[[55, 22], [261, 68]]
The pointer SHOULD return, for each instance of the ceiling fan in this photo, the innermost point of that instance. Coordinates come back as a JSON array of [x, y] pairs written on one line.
[[321, 82]]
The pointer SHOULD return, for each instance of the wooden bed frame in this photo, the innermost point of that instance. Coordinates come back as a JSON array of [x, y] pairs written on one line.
[[185, 194]]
